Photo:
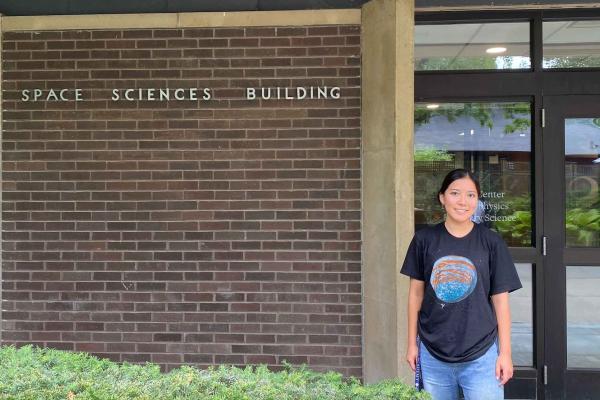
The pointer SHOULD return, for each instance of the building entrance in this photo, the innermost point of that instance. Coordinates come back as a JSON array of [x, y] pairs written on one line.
[[527, 122], [571, 245]]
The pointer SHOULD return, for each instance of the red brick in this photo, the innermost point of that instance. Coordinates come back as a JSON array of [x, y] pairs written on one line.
[[152, 227]]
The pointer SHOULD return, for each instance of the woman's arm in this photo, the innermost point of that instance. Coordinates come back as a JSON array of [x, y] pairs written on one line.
[[504, 365], [415, 299]]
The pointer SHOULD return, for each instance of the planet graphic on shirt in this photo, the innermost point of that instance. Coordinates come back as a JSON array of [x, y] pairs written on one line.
[[453, 278]]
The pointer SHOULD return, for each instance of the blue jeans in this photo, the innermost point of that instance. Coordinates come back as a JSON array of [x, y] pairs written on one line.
[[476, 378]]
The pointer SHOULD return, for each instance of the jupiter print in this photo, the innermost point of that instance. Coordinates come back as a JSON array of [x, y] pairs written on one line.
[[453, 278]]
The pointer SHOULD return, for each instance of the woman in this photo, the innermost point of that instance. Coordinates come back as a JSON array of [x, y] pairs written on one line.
[[461, 274]]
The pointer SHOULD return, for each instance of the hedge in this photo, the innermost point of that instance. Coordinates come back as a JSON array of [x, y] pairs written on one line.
[[29, 373]]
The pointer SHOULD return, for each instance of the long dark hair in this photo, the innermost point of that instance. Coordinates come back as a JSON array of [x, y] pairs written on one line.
[[455, 174]]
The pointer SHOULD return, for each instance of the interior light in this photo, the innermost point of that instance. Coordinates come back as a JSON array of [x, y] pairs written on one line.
[[496, 50], [432, 106]]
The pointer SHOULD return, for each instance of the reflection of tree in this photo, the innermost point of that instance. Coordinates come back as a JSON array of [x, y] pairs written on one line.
[[454, 63], [471, 63], [582, 227], [515, 112], [518, 114], [572, 62], [431, 154], [515, 62], [517, 228], [582, 223]]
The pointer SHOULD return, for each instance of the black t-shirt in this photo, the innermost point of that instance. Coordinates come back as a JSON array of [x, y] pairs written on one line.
[[457, 322]]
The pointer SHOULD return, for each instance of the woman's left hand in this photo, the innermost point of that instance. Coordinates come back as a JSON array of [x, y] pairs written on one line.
[[504, 368]]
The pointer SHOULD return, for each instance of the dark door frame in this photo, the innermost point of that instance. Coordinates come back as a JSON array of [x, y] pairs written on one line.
[[563, 382], [533, 84]]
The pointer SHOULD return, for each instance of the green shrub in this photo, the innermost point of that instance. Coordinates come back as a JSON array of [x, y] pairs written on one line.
[[30, 373]]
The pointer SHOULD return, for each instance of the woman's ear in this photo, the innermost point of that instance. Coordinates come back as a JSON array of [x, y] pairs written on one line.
[[441, 199]]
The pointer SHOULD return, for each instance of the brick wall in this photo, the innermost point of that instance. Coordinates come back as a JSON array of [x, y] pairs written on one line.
[[197, 232]]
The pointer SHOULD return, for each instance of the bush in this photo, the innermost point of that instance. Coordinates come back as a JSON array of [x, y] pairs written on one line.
[[33, 373]]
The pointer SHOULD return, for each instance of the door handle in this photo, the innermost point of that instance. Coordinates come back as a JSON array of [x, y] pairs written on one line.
[[544, 245]]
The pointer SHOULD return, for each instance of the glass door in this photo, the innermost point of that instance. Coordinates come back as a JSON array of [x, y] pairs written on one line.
[[493, 139], [571, 157]]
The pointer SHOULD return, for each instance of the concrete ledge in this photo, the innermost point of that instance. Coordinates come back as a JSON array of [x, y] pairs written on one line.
[[182, 20]]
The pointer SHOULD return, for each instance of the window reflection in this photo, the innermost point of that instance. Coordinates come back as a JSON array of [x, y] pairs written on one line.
[[583, 319], [521, 309], [491, 139], [571, 44], [472, 46], [582, 176]]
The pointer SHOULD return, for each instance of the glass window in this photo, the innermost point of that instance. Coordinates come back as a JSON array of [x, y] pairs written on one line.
[[491, 139], [472, 46], [582, 176], [583, 318], [571, 44], [521, 309]]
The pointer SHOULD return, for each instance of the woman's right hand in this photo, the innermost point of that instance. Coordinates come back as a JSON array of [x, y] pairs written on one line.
[[411, 356], [416, 291]]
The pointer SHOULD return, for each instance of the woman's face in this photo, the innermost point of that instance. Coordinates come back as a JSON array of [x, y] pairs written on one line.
[[460, 200]]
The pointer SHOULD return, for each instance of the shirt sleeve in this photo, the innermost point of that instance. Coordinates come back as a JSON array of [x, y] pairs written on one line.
[[504, 277], [413, 262]]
